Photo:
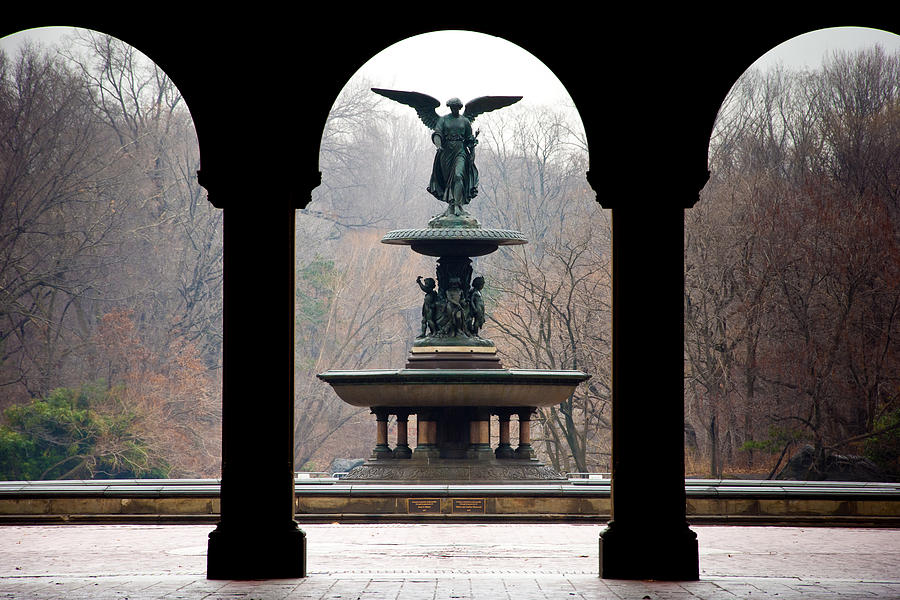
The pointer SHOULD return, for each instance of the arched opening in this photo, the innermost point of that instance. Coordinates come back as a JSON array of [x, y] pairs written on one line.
[[792, 275], [111, 302], [358, 305]]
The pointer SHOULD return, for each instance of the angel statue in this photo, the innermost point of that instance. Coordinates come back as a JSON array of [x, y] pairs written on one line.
[[454, 178]]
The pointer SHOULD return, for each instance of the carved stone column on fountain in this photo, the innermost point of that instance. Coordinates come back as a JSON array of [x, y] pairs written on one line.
[[453, 380]]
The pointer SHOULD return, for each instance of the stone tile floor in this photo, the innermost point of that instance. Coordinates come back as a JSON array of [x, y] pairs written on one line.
[[443, 562]]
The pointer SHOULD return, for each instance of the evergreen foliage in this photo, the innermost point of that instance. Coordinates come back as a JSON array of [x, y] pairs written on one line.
[[75, 434]]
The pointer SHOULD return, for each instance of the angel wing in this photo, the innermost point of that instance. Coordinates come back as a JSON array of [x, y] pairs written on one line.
[[424, 104], [485, 104]]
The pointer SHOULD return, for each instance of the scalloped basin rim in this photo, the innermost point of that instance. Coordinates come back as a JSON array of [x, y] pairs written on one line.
[[453, 387], [455, 234]]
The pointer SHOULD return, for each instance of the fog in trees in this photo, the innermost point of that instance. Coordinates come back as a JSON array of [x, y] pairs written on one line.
[[111, 267], [111, 274], [110, 270], [792, 272]]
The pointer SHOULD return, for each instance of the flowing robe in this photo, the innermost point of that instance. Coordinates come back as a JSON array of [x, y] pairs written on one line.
[[454, 178]]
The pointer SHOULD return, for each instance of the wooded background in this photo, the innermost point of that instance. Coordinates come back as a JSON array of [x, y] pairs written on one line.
[[792, 270], [110, 270]]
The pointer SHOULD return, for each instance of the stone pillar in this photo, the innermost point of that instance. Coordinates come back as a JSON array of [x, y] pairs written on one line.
[[402, 449], [381, 450], [504, 449], [648, 536], [480, 433], [426, 434], [257, 536], [524, 450]]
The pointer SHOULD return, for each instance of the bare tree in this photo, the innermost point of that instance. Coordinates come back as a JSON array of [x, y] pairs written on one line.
[[348, 318], [175, 246], [374, 165], [102, 216], [791, 260], [58, 206], [550, 300]]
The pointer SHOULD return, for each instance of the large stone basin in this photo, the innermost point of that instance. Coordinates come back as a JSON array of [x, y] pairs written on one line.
[[431, 388]]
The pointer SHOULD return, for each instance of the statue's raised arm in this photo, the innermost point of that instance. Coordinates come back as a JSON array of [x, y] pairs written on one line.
[[454, 177]]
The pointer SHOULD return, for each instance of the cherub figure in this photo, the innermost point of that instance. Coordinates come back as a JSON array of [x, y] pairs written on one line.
[[429, 306], [456, 311], [476, 304]]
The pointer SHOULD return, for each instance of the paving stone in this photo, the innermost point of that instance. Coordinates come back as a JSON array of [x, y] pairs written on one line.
[[444, 562], [420, 590]]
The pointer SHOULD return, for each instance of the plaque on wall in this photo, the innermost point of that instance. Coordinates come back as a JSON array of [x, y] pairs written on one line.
[[423, 505], [468, 505]]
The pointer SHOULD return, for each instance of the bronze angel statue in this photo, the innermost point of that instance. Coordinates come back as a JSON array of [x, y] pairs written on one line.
[[454, 177]]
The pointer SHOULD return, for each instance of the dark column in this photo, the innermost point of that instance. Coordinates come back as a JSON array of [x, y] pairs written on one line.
[[426, 434], [402, 449], [504, 449], [382, 450], [480, 433], [524, 450], [257, 536], [648, 536]]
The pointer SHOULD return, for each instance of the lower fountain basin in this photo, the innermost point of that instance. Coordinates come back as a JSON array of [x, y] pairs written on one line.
[[453, 387]]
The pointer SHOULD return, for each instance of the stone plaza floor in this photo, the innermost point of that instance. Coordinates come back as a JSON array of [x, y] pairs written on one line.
[[443, 562]]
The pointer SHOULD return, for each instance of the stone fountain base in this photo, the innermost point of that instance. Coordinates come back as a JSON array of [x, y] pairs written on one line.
[[431, 470], [454, 383], [454, 404]]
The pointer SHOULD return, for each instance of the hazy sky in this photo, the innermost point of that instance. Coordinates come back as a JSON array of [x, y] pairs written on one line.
[[42, 35], [807, 51], [481, 65]]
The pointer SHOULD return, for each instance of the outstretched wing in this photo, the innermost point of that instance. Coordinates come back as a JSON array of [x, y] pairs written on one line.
[[486, 104], [424, 104]]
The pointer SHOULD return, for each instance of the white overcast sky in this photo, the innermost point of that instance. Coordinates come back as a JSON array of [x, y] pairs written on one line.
[[807, 51], [42, 35], [479, 65]]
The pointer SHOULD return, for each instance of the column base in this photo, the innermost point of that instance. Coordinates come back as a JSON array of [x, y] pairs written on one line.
[[427, 451], [505, 451], [479, 451], [256, 553], [402, 451], [382, 451], [525, 451], [663, 554]]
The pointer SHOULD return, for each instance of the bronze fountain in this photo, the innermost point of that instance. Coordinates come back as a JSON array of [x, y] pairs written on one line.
[[453, 381]]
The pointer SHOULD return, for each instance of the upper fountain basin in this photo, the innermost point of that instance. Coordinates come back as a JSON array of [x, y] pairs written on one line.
[[454, 241]]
